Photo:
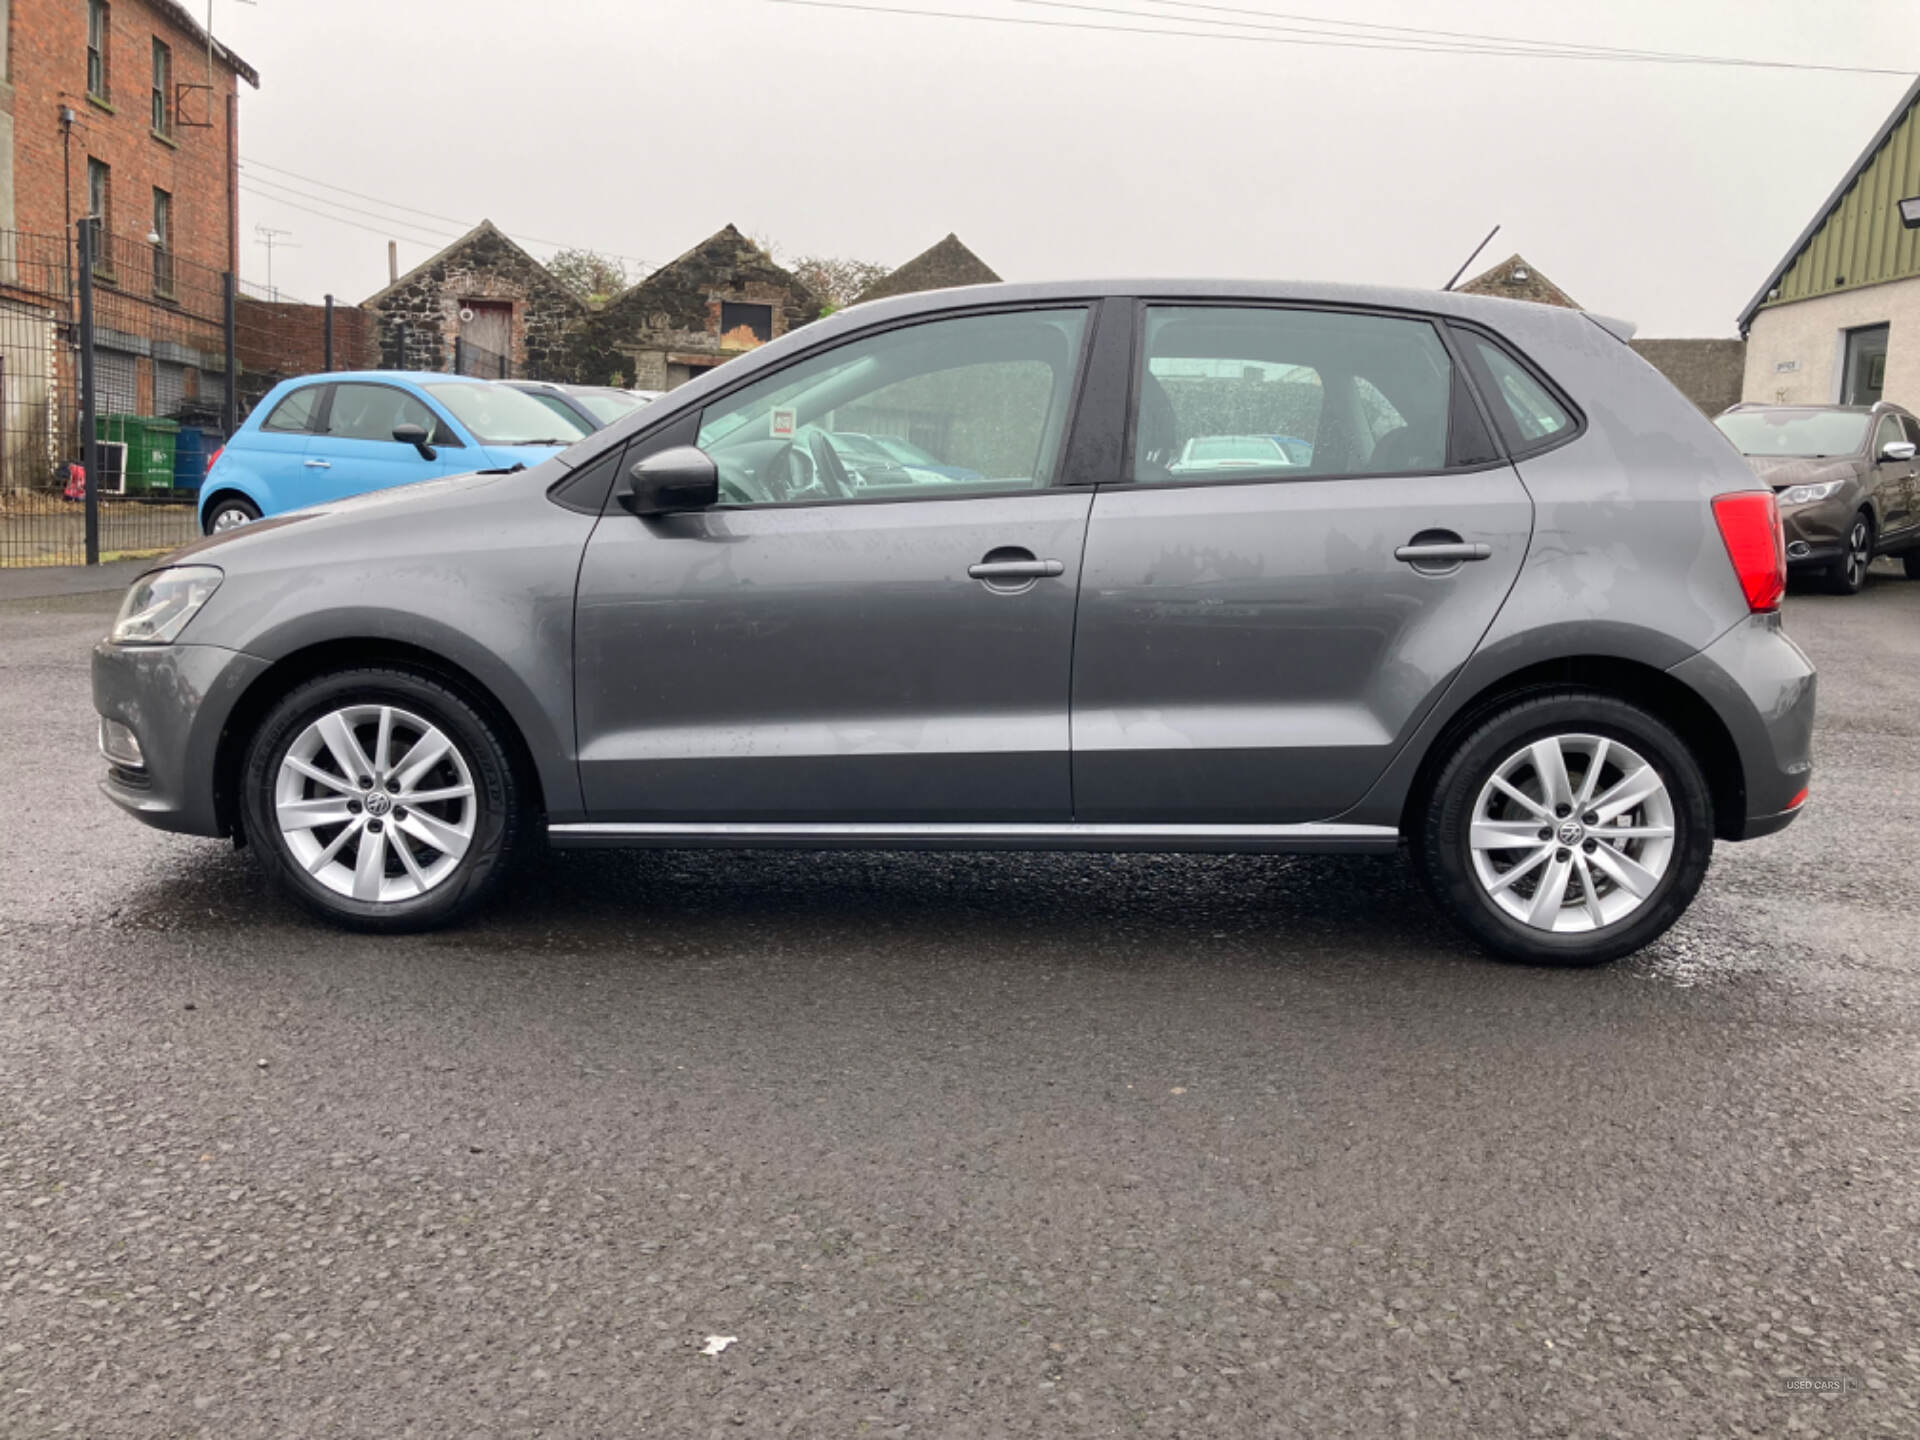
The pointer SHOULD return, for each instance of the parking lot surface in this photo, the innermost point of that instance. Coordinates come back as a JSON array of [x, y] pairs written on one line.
[[955, 1145]]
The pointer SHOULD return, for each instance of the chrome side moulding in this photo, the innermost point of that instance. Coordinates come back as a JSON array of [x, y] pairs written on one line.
[[1319, 836]]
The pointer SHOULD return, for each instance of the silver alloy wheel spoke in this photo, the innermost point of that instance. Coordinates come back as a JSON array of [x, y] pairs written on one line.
[[395, 837], [1572, 833]]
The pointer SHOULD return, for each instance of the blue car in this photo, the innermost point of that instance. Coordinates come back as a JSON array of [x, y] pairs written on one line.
[[324, 437]]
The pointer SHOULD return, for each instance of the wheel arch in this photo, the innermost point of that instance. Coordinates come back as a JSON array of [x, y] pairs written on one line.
[[1673, 702], [326, 656], [219, 492]]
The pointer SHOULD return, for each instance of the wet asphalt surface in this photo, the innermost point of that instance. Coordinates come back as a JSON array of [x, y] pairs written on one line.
[[955, 1145]]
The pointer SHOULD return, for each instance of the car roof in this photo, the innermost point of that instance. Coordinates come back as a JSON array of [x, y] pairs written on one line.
[[413, 377]]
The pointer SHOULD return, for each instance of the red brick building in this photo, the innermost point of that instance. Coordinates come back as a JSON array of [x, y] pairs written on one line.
[[125, 103], [127, 111]]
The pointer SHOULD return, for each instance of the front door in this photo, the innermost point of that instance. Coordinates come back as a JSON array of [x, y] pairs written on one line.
[[818, 648], [1863, 377], [1316, 535], [355, 451]]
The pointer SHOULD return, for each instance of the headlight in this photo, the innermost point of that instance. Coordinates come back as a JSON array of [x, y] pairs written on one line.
[[1807, 494], [159, 605]]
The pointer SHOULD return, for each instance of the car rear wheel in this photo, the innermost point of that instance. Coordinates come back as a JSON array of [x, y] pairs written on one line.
[[1910, 562], [1848, 574], [1567, 829], [382, 799], [230, 512]]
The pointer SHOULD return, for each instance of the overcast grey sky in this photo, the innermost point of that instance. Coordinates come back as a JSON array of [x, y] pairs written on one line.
[[1663, 193]]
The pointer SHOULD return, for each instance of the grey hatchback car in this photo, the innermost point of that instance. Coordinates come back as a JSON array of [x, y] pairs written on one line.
[[1507, 601]]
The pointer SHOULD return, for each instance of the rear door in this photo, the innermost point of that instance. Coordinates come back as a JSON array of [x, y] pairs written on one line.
[[355, 450], [1260, 630], [816, 649]]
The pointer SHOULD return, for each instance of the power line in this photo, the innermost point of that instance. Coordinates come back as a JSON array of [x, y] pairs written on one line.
[[1421, 30], [1323, 41], [275, 187], [461, 226], [384, 232]]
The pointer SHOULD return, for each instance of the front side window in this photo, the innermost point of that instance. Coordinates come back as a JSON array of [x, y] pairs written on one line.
[[1528, 414], [1887, 434], [162, 88], [370, 412], [981, 399], [99, 32], [1245, 393], [294, 413]]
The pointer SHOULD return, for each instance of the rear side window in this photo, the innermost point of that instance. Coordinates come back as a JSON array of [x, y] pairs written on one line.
[[294, 414], [1526, 411], [1249, 393], [370, 412]]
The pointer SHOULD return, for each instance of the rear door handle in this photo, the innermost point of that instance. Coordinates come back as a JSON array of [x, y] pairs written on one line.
[[1016, 569], [1438, 553], [319, 464]]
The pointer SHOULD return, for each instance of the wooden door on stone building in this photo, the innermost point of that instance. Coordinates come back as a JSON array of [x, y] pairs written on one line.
[[486, 337]]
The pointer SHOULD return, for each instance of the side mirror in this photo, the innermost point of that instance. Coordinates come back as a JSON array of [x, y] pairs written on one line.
[[683, 478], [1899, 450], [416, 436]]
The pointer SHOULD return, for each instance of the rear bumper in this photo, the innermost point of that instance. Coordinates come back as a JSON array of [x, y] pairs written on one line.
[[177, 700], [1761, 685]]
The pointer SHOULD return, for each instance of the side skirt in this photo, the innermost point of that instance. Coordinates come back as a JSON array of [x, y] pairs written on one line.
[[1299, 839]]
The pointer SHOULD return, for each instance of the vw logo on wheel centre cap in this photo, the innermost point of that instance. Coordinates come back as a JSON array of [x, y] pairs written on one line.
[[379, 803]]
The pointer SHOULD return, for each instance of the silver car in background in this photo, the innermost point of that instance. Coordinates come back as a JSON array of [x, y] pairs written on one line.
[[1503, 599]]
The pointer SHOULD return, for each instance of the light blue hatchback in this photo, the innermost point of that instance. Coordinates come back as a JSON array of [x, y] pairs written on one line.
[[324, 437]]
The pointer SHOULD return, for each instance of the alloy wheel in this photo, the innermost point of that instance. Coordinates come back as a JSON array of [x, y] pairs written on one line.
[[1859, 552], [232, 517], [1572, 833], [376, 803]]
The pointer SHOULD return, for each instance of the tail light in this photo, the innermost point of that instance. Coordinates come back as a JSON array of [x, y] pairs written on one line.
[[214, 458], [1756, 543]]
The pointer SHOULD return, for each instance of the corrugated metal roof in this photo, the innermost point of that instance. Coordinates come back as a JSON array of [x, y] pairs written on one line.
[[1856, 237]]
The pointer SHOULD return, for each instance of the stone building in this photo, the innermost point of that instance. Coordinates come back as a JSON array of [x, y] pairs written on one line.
[[1707, 372], [943, 267], [722, 298], [480, 302], [1838, 319], [1515, 279]]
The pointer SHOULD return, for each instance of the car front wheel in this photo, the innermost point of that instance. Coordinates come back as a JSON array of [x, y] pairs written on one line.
[[1849, 573], [382, 799], [1567, 829]]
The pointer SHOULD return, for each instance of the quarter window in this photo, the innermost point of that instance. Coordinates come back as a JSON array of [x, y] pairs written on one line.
[[1528, 414], [1246, 393], [981, 402], [370, 412], [295, 413]]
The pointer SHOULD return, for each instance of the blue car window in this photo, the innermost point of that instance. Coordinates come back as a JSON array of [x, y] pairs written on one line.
[[370, 412], [294, 413]]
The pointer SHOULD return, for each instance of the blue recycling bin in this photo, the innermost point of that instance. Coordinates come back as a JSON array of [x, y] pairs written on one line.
[[189, 459]]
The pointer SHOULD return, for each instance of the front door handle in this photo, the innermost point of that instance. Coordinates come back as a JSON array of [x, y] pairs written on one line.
[[1016, 569], [1442, 552], [319, 464]]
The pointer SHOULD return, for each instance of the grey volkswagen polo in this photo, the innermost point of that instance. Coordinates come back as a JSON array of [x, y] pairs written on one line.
[[1502, 598]]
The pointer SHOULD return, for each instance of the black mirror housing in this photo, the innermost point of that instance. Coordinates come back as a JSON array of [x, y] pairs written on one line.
[[683, 478], [416, 436]]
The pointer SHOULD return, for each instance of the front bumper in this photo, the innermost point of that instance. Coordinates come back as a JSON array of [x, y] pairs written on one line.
[[177, 700], [1817, 533], [1761, 685]]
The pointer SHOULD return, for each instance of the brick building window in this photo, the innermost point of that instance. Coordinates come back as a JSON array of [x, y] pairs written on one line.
[[162, 88], [754, 323], [100, 212], [162, 242], [99, 32]]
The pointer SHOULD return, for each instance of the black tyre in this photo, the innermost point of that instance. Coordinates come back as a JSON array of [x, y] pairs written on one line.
[[230, 512], [1910, 562], [382, 799], [1569, 828], [1848, 574]]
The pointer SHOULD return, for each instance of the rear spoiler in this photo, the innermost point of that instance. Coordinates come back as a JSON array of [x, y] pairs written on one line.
[[1622, 330]]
